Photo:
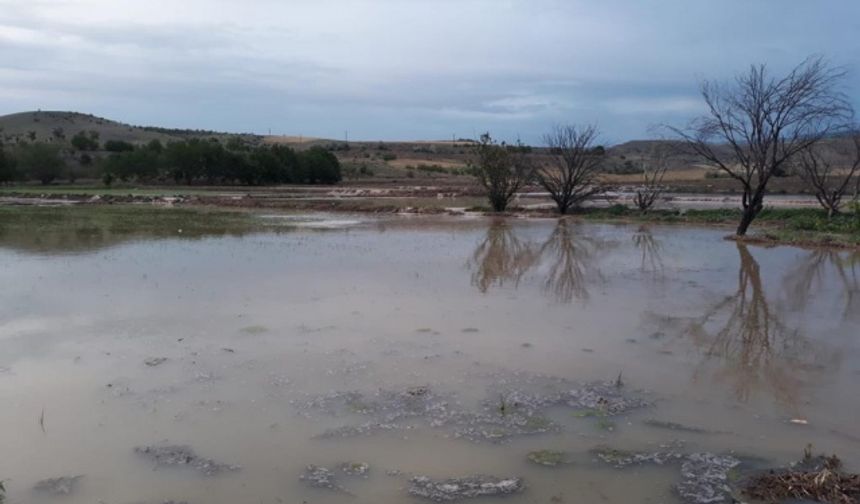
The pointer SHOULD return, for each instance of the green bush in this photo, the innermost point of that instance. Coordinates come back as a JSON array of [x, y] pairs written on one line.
[[618, 210], [118, 146], [320, 166], [8, 169], [142, 165], [41, 161], [84, 141], [155, 145], [389, 157]]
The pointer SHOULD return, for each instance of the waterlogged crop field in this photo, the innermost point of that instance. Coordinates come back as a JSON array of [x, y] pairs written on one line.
[[154, 355]]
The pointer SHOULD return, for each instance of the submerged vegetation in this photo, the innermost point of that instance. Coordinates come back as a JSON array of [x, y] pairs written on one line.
[[87, 227]]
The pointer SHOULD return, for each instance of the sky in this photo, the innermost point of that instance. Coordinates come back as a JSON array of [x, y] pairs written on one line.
[[405, 69]]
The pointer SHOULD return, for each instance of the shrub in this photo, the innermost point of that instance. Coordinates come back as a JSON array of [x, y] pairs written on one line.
[[41, 162], [320, 166], [389, 157], [8, 171], [84, 141], [155, 145], [617, 210], [118, 146], [141, 165]]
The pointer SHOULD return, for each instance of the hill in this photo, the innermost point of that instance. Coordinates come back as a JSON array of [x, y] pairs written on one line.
[[57, 126]]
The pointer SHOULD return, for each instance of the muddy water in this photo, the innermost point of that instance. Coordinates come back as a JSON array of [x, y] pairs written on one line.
[[265, 334]]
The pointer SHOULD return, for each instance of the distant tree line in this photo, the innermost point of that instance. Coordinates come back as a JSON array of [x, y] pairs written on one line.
[[188, 161]]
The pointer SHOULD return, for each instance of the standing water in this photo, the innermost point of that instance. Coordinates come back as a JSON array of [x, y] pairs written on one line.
[[327, 360]]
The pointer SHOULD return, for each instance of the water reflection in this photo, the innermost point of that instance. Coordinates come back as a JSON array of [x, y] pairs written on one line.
[[821, 270], [651, 252], [566, 260], [571, 258], [501, 257], [757, 344]]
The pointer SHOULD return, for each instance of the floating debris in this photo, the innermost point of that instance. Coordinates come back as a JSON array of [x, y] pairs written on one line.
[[155, 361], [355, 469], [318, 477], [63, 485], [179, 455], [819, 479], [549, 458], [321, 477], [463, 488]]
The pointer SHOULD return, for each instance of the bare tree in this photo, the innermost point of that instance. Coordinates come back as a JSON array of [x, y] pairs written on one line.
[[764, 122], [501, 170], [653, 172], [829, 178], [572, 176]]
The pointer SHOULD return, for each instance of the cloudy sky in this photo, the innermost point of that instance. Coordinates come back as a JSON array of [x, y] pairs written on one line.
[[404, 69]]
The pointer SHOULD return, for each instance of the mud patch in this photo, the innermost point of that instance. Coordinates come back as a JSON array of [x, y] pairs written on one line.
[[155, 361], [704, 476], [321, 477], [180, 455], [464, 488], [361, 469], [63, 485], [548, 458], [517, 404]]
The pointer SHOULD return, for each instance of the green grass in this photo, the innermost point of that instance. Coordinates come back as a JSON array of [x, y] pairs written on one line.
[[549, 458], [88, 227]]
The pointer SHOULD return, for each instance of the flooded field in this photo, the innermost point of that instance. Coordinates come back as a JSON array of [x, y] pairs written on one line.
[[214, 359]]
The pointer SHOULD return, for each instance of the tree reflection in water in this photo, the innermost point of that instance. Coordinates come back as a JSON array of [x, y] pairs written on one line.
[[651, 251], [501, 257], [569, 259], [753, 343], [825, 269]]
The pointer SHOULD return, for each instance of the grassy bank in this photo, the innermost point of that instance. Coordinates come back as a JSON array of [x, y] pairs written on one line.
[[796, 226], [79, 228]]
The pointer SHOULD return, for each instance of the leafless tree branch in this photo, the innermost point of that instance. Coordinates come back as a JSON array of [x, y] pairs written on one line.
[[572, 176]]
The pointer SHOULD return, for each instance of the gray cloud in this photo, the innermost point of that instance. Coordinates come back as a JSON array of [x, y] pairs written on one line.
[[401, 69]]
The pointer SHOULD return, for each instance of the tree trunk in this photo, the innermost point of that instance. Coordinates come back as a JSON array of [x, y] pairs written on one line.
[[563, 208], [746, 219]]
